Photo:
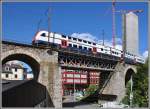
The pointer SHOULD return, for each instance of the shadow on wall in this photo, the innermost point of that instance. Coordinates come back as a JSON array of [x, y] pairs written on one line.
[[26, 93], [129, 73]]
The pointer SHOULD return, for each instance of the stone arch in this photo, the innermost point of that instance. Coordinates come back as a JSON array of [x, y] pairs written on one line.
[[128, 73], [30, 58]]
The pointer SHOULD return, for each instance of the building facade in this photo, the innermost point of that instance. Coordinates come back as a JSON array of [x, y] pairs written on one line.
[[13, 72]]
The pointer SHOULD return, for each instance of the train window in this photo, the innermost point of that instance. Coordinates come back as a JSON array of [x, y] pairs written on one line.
[[69, 37], [89, 42], [90, 49], [75, 46], [85, 48], [63, 36], [84, 41], [74, 38], [101, 49], [80, 47], [43, 34], [94, 43], [70, 45], [79, 40]]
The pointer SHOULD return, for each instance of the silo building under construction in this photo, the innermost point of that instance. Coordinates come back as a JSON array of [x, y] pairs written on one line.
[[132, 33]]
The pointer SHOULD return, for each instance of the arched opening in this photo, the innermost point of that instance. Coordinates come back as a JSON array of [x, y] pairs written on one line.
[[129, 73], [35, 66]]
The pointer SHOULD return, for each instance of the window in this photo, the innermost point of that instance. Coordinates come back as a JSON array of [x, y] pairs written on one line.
[[70, 45], [43, 34], [90, 49], [79, 40], [94, 43], [6, 68], [75, 46], [6, 75], [15, 69], [85, 48], [84, 41], [74, 38], [101, 49], [16, 75], [63, 36], [80, 47], [89, 42], [69, 37]]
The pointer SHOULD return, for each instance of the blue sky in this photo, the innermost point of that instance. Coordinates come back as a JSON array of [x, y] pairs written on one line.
[[20, 20]]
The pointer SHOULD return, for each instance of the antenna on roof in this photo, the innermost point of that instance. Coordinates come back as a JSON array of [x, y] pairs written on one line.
[[38, 26], [48, 15], [103, 33], [113, 23]]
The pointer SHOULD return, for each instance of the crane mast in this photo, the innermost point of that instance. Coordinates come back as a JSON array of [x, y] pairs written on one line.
[[113, 24]]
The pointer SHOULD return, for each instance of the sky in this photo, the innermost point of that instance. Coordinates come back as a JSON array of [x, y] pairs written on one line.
[[20, 20]]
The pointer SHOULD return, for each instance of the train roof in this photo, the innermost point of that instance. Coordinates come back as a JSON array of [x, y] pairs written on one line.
[[79, 38]]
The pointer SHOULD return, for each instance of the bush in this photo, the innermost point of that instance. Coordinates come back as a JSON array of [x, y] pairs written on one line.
[[91, 89]]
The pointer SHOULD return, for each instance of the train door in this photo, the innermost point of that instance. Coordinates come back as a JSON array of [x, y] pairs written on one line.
[[63, 43], [94, 50]]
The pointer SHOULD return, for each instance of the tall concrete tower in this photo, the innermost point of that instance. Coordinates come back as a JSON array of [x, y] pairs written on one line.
[[132, 33]]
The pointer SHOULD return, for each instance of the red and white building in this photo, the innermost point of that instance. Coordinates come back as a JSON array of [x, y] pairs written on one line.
[[77, 80], [94, 78]]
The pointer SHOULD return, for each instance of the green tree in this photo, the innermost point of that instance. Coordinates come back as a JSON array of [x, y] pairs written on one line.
[[140, 87]]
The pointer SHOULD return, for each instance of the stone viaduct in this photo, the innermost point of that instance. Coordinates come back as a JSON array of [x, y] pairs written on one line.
[[47, 70]]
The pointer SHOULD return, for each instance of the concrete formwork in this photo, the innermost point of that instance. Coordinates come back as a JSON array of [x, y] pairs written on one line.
[[132, 33]]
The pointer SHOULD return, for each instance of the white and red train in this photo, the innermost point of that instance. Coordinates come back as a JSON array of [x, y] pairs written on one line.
[[82, 45]]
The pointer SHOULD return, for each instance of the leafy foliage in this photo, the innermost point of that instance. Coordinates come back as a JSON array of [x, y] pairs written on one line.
[[140, 87], [91, 89]]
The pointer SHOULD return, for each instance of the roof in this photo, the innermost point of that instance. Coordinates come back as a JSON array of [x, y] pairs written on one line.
[[16, 66], [10, 72], [13, 66]]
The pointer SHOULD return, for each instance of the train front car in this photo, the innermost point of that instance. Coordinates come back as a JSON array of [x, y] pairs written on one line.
[[40, 38]]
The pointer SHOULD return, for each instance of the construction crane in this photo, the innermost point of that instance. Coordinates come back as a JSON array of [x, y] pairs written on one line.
[[48, 12], [113, 23], [103, 33]]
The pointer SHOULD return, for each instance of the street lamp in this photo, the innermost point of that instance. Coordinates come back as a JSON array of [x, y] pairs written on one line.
[[74, 86], [131, 92]]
